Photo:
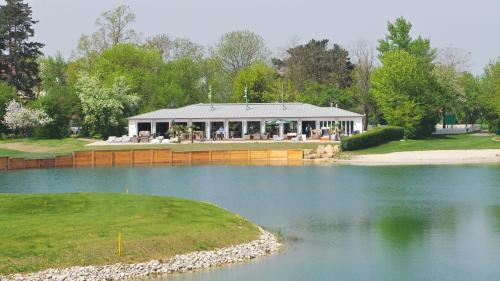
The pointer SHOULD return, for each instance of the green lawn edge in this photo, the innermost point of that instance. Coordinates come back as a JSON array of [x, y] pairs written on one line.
[[41, 231], [67, 145], [446, 142]]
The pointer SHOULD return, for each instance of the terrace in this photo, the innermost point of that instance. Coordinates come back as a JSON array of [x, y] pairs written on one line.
[[242, 122]]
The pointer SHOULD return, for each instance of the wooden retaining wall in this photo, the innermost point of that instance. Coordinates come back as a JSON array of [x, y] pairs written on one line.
[[149, 157]]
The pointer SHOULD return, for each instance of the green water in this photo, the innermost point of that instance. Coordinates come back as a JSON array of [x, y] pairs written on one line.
[[341, 222]]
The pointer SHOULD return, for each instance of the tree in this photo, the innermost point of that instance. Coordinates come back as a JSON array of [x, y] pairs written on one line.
[[405, 93], [113, 28], [62, 105], [138, 65], [469, 104], [459, 89], [239, 49], [262, 83], [399, 38], [490, 95], [325, 95], [58, 99], [175, 48], [23, 120], [314, 61], [447, 78], [177, 84], [453, 57], [364, 63], [53, 71], [18, 57], [103, 107], [7, 93]]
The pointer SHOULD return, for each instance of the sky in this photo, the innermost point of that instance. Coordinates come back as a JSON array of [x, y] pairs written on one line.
[[470, 26]]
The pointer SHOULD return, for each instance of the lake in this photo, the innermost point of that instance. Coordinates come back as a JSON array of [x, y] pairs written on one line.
[[341, 222]]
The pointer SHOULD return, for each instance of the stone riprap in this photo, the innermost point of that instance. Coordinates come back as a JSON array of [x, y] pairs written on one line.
[[265, 245], [322, 152]]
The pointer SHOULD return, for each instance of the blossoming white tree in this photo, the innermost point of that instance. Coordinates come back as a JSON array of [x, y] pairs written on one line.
[[103, 107], [23, 120]]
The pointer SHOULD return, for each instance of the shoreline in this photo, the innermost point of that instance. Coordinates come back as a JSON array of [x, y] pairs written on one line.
[[266, 244], [426, 157]]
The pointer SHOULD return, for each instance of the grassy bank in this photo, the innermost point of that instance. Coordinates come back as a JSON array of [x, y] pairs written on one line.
[[60, 230], [217, 146], [34, 148], [469, 141]]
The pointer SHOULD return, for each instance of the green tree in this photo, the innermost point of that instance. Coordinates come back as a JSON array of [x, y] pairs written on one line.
[[177, 84], [490, 95], [53, 71], [469, 105], [262, 82], [447, 78], [405, 93], [62, 105], [325, 95], [103, 107], [399, 38], [239, 49], [18, 55], [7, 93], [138, 65], [316, 62]]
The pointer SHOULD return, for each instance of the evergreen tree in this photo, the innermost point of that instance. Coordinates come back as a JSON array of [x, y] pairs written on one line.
[[18, 57]]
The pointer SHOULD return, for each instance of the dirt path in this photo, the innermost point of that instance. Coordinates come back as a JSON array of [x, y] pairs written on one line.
[[30, 147]]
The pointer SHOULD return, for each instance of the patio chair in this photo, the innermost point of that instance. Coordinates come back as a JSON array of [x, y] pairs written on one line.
[[126, 138], [247, 137], [111, 139], [277, 138], [257, 136], [265, 137]]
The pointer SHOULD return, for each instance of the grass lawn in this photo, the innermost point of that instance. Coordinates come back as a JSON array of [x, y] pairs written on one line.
[[215, 146], [468, 141], [60, 230], [33, 148]]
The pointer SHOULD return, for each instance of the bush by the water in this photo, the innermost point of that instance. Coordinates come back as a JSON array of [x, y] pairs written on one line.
[[372, 138]]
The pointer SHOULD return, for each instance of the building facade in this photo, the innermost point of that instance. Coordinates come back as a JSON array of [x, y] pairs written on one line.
[[236, 120]]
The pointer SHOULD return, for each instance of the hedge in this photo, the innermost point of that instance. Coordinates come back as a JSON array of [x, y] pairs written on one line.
[[373, 137]]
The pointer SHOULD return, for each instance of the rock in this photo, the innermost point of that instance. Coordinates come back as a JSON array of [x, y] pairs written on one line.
[[328, 149], [320, 150], [311, 156], [265, 245], [336, 149]]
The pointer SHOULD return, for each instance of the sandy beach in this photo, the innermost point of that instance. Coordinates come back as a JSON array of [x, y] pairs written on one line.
[[426, 157]]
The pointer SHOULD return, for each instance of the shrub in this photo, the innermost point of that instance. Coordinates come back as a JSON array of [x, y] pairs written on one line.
[[373, 137]]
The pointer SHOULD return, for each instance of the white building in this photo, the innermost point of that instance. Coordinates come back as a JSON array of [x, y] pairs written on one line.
[[239, 119]]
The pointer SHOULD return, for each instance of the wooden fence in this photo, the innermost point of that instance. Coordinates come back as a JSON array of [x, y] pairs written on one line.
[[150, 157]]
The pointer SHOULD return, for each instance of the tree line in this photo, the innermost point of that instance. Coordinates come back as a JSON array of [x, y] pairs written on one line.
[[113, 74]]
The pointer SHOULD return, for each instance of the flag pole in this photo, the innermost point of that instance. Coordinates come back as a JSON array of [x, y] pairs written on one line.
[[210, 96], [246, 96], [282, 95]]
